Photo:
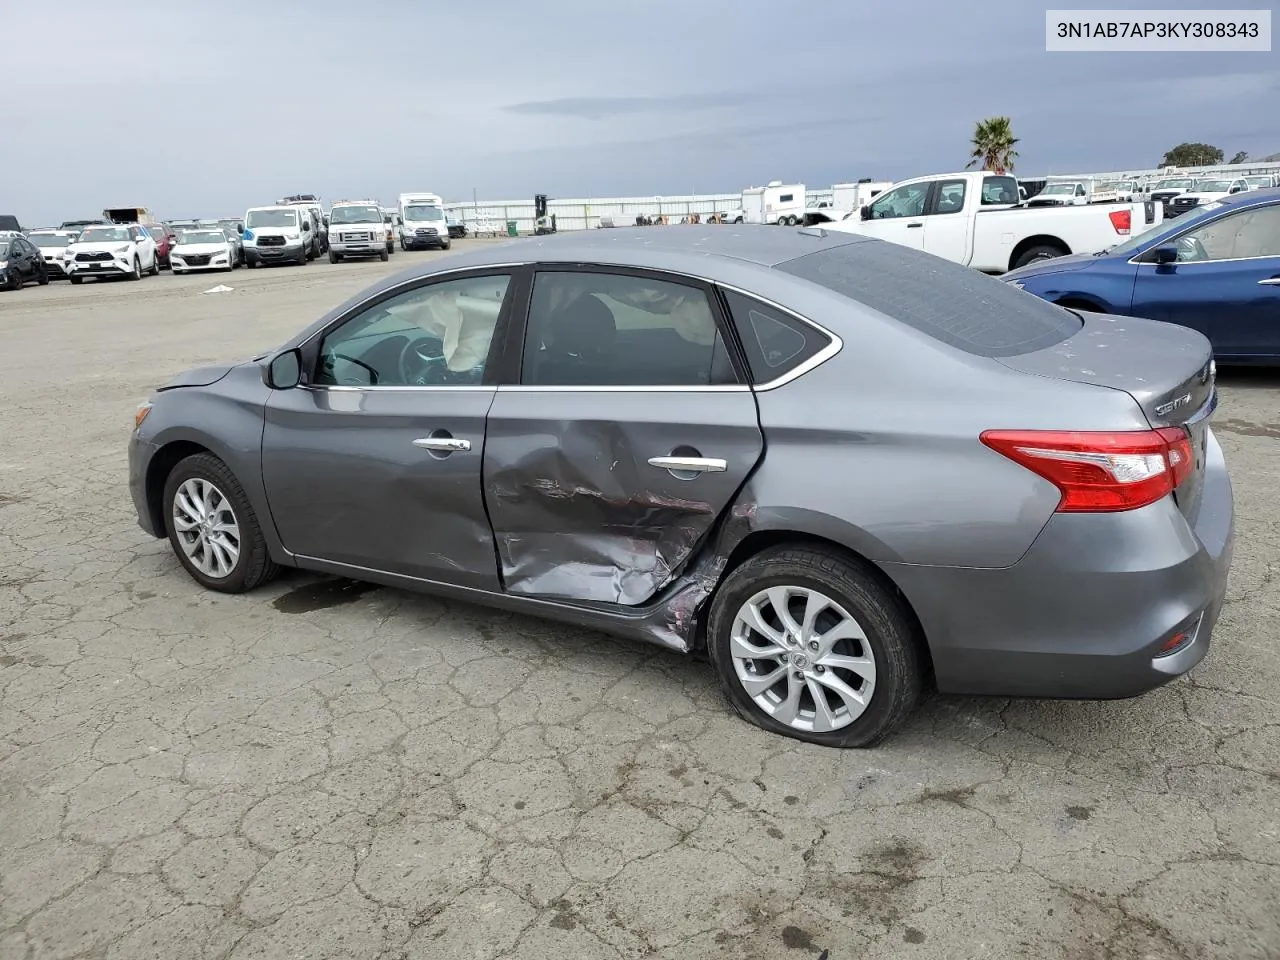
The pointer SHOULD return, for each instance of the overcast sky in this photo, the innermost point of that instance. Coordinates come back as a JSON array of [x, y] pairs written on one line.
[[203, 109]]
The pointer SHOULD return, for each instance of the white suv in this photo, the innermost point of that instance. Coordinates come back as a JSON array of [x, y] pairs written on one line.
[[116, 250]]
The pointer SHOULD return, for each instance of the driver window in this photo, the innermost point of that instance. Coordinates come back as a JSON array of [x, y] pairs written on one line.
[[1243, 235], [905, 201], [433, 335]]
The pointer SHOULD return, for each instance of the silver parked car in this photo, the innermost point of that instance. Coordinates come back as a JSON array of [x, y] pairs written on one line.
[[845, 468]]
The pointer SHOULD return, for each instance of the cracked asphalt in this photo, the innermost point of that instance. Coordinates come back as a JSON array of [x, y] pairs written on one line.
[[321, 769]]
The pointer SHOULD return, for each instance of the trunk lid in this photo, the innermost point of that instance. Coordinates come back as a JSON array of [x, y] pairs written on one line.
[[1167, 369]]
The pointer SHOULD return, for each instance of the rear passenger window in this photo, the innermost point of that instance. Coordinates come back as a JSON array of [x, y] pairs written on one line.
[[775, 342], [613, 330]]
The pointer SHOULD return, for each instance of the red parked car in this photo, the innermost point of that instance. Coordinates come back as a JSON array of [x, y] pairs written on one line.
[[165, 239]]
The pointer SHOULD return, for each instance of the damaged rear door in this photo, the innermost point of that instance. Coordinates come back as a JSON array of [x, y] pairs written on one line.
[[630, 432]]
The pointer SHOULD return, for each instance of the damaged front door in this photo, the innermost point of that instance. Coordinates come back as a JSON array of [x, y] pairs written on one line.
[[629, 434]]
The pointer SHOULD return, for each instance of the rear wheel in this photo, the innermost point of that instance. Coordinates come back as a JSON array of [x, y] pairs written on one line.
[[812, 645], [1036, 253], [212, 527]]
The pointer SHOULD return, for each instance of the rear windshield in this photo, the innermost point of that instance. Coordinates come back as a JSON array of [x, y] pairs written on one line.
[[961, 307]]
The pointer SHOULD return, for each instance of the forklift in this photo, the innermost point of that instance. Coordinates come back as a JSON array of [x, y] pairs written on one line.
[[542, 224]]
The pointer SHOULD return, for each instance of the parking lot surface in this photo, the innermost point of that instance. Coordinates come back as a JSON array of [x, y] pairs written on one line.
[[322, 769]]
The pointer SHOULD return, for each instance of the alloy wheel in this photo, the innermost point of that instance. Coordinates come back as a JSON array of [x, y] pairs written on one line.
[[207, 529], [802, 659]]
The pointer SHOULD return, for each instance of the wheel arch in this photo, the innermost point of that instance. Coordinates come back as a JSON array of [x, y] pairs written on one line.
[[757, 541], [1039, 240], [160, 466]]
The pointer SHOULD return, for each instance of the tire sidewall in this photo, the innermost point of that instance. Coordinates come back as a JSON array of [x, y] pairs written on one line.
[[874, 615], [206, 467]]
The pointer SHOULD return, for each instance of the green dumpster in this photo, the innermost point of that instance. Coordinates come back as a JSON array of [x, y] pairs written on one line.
[[512, 230]]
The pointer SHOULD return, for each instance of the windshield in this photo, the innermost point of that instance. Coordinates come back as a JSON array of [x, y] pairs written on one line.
[[105, 235], [1202, 212], [1211, 186], [1181, 184], [202, 236], [423, 212], [271, 218], [48, 239], [355, 214], [1056, 188]]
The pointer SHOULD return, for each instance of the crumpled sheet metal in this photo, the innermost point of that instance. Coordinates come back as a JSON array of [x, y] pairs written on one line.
[[576, 521]]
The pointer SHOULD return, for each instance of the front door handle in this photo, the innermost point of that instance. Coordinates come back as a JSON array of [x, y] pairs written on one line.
[[910, 225], [443, 444], [1270, 282], [689, 464]]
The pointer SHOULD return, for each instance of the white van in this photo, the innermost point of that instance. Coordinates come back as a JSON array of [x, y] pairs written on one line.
[[423, 222], [278, 234]]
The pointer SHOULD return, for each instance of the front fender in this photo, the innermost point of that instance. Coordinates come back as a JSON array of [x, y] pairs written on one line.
[[225, 418]]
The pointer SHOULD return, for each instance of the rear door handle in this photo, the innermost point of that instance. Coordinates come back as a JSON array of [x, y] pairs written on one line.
[[690, 464], [443, 444], [1270, 282]]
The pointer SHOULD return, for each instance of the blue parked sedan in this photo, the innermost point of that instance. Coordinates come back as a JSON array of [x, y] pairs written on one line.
[[1216, 270]]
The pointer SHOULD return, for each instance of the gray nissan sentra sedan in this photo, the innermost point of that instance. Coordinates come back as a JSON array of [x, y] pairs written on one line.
[[846, 469]]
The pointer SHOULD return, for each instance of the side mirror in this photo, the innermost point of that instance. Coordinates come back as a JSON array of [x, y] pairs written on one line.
[[865, 213], [240, 228], [284, 372], [306, 228], [326, 221], [1164, 255]]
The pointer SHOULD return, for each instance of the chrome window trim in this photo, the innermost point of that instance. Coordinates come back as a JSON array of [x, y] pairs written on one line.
[[833, 347], [349, 388], [818, 359], [1134, 261]]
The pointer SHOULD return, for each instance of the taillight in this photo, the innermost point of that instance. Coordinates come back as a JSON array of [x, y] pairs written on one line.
[[1101, 472], [1122, 220]]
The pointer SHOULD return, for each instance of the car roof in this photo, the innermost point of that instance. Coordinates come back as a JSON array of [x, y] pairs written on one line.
[[765, 246], [1250, 198]]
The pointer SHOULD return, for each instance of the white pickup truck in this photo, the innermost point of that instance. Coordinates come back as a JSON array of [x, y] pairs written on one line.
[[975, 219]]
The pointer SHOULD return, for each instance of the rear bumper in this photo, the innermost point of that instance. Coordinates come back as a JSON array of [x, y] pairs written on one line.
[[1084, 614]]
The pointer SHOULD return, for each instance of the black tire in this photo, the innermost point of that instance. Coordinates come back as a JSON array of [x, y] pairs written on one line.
[[43, 277], [890, 628], [137, 270], [446, 245], [304, 257], [384, 256], [15, 281], [333, 257], [1040, 252], [254, 565], [402, 246], [155, 266], [76, 280]]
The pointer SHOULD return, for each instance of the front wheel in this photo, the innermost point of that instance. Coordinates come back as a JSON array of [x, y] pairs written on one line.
[[76, 280], [809, 644], [333, 257], [212, 527], [384, 256], [446, 245], [43, 278], [155, 266], [1037, 253], [137, 270]]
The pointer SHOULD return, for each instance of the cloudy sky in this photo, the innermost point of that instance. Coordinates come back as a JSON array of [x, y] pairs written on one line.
[[202, 109]]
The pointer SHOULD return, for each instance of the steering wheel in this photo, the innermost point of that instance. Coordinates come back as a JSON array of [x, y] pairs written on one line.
[[422, 362], [1191, 250]]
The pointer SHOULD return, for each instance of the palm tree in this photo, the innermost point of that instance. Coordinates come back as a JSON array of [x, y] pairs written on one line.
[[993, 142]]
